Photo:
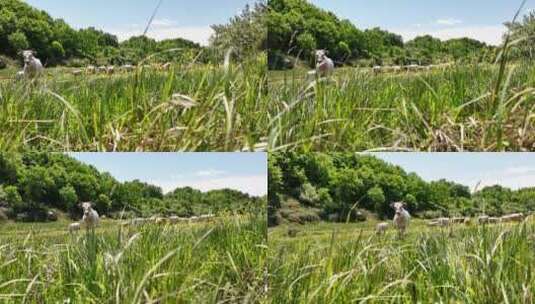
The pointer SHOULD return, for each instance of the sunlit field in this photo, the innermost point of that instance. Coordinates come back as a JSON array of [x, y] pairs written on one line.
[[191, 107], [349, 263], [222, 261], [457, 108]]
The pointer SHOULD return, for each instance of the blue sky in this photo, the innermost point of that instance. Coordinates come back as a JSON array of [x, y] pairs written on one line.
[[246, 172], [513, 170], [124, 18], [479, 19]]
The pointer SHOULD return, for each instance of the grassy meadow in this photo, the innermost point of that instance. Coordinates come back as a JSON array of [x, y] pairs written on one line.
[[460, 108], [192, 107], [349, 263], [223, 261]]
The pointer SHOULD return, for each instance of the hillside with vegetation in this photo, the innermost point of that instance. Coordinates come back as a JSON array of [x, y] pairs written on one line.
[[344, 187], [297, 27], [57, 43], [32, 184]]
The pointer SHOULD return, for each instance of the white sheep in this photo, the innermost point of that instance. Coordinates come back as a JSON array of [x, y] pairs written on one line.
[[433, 223], [377, 69], [91, 69], [401, 218], [483, 219], [494, 220], [515, 217], [174, 219], [90, 217], [20, 75], [166, 66], [127, 68], [381, 228], [324, 64], [443, 221], [110, 69], [32, 66], [139, 221], [74, 227]]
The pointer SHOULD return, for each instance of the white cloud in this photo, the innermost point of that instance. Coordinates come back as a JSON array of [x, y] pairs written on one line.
[[449, 21], [165, 29], [512, 177], [491, 34], [254, 184], [210, 172]]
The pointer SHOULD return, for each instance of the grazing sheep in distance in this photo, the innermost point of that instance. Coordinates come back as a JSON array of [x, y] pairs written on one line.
[[443, 221], [166, 66], [76, 72], [401, 218], [102, 69], [32, 66], [90, 217], [74, 227], [515, 217], [484, 219], [138, 221], [91, 69], [20, 75], [110, 70], [128, 68], [467, 221], [381, 228], [494, 220], [324, 64], [457, 220], [377, 69], [432, 223]]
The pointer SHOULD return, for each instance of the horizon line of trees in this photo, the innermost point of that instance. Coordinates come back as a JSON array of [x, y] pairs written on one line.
[[340, 186], [31, 184], [57, 43], [296, 28]]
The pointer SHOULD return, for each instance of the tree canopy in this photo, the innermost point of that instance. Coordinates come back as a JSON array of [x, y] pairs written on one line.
[[55, 42], [339, 186], [33, 183], [297, 27]]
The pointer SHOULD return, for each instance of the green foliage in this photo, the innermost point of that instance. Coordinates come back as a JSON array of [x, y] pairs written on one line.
[[442, 110], [55, 42], [245, 33], [350, 184], [68, 197], [523, 36], [58, 181], [349, 263], [12, 197], [297, 26], [222, 261], [18, 41]]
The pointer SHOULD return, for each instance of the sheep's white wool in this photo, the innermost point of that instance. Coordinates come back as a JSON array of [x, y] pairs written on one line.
[[90, 217], [32, 66], [381, 228], [324, 64], [401, 218], [74, 227]]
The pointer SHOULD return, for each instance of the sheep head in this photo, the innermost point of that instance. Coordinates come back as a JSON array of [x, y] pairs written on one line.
[[28, 55]]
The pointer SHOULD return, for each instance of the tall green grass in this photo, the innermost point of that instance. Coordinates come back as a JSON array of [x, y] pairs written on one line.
[[219, 262], [190, 108], [453, 109], [335, 264]]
